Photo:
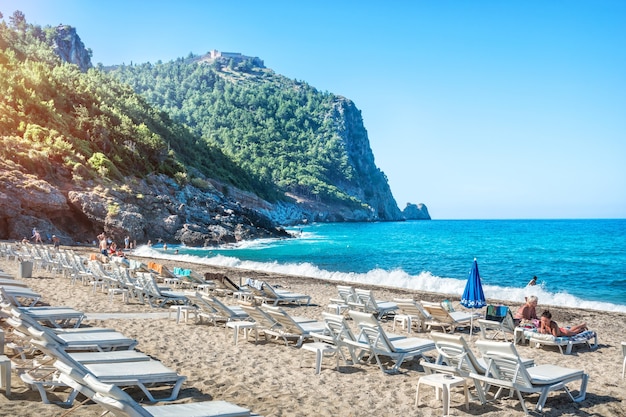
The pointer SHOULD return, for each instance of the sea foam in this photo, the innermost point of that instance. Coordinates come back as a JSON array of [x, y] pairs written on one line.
[[424, 281]]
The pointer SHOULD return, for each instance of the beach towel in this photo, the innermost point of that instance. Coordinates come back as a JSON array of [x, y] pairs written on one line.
[[586, 335], [496, 313], [254, 283]]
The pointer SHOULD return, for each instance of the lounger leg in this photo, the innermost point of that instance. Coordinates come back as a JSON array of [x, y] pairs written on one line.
[[521, 401], [542, 400], [482, 397], [583, 390]]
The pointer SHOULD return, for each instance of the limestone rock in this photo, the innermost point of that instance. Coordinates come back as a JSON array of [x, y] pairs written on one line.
[[416, 212], [70, 48]]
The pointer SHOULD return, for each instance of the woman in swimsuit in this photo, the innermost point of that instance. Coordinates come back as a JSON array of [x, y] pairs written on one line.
[[549, 326]]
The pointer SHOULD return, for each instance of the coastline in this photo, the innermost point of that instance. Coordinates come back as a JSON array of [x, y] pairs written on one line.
[[267, 377]]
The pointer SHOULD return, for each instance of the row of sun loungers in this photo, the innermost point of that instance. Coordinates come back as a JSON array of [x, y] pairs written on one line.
[[143, 287], [500, 365], [355, 335], [96, 362]]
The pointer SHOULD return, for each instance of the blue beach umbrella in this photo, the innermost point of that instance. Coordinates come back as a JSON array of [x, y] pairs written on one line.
[[473, 296]]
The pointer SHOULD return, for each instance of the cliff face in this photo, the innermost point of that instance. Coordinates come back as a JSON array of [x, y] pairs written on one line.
[[70, 48], [370, 183], [157, 207], [154, 208]]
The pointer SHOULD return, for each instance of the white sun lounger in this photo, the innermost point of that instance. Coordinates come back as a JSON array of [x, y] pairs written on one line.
[[142, 373], [506, 371], [118, 402]]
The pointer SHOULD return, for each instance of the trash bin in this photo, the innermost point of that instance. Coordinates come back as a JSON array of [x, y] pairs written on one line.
[[25, 270]]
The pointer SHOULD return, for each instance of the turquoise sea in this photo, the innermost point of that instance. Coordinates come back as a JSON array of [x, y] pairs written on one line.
[[579, 263]]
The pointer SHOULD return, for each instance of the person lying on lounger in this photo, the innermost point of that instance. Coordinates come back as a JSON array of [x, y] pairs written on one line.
[[549, 326]]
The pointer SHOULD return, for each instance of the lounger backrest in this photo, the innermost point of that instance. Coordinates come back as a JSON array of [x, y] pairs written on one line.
[[501, 314], [150, 285], [503, 348], [195, 278], [363, 318], [22, 329], [366, 298], [111, 398], [27, 321], [230, 284], [376, 338], [508, 322], [495, 313], [503, 363], [114, 399], [199, 300], [439, 313], [261, 317], [4, 298], [217, 305], [286, 321], [347, 294], [75, 383], [339, 328], [64, 361], [371, 329], [411, 307], [457, 352], [268, 289]]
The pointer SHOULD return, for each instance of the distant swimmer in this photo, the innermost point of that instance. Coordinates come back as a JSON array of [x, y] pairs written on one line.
[[532, 282]]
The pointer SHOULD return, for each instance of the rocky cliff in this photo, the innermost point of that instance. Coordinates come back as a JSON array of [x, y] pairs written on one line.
[[155, 208], [69, 47], [204, 212], [370, 184], [416, 212]]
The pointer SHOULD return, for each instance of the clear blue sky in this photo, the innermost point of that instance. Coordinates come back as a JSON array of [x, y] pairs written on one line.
[[479, 109]]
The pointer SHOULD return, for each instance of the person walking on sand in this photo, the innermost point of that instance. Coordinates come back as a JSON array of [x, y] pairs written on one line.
[[37, 236], [103, 245]]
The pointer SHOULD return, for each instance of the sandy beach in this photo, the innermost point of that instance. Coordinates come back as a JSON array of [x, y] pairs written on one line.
[[272, 379]]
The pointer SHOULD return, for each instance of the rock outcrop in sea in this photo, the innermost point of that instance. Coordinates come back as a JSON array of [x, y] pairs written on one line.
[[416, 212]]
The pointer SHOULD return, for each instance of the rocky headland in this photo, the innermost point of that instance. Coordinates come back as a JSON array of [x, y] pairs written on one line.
[[63, 197]]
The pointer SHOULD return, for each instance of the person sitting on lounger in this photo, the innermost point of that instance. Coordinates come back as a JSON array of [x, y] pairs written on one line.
[[527, 313], [549, 326]]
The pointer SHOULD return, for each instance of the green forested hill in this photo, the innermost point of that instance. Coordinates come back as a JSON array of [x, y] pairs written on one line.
[[198, 150], [58, 121], [278, 129]]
